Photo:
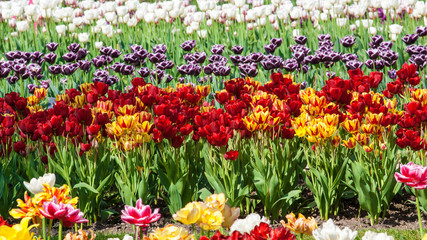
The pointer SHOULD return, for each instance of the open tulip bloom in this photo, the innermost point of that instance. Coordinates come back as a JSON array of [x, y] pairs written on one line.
[[414, 176], [140, 216]]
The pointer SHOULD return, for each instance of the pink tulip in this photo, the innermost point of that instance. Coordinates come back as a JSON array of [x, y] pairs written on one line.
[[53, 210], [140, 215], [412, 175], [63, 212]]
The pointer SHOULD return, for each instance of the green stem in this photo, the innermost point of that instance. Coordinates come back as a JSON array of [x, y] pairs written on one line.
[[60, 231], [50, 229], [44, 227], [419, 214]]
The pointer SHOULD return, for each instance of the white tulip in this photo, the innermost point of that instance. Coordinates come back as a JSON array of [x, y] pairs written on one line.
[[14, 34], [122, 11], [239, 3], [328, 231], [150, 18], [248, 224], [111, 16], [376, 236], [341, 22], [17, 11], [6, 14], [132, 5], [214, 14], [395, 29], [195, 26], [393, 37], [107, 29], [22, 26], [262, 21], [367, 23], [71, 27], [353, 27], [203, 5], [78, 21], [132, 22], [12, 22], [324, 16], [189, 30], [296, 32], [372, 30], [98, 45], [36, 184], [209, 22], [60, 29], [199, 17], [83, 37], [308, 5]]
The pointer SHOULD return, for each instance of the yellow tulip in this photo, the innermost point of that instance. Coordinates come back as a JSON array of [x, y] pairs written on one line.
[[216, 201], [211, 219], [230, 215], [189, 214], [40, 93], [171, 232], [301, 225], [19, 231]]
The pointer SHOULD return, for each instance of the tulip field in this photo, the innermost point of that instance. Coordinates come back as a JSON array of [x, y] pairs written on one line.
[[229, 118]]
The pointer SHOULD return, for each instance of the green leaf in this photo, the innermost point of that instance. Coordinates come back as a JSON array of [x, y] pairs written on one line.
[[86, 186]]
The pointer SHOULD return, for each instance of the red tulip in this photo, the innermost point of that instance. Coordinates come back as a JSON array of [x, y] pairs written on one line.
[[231, 155]]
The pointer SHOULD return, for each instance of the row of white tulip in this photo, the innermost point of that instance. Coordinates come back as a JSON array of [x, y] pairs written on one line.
[[103, 16]]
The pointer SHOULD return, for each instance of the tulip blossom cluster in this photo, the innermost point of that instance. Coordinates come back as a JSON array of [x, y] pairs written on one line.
[[210, 215]]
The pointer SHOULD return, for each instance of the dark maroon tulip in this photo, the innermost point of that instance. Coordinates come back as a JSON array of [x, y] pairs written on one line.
[[55, 69], [12, 55], [248, 70], [106, 50], [36, 57], [373, 53], [270, 48], [99, 61], [348, 41], [169, 78], [101, 73], [324, 37], [188, 45], [348, 57], [208, 69], [160, 48], [45, 84], [81, 53], [330, 74], [158, 74], [19, 61], [156, 57], [217, 49], [84, 65], [256, 57], [237, 49], [389, 55], [134, 48], [312, 59], [19, 68], [235, 59], [52, 46], [31, 88], [354, 64], [290, 65], [387, 44], [276, 41], [73, 47], [419, 59], [115, 53], [217, 58], [421, 31], [26, 55], [305, 68], [12, 79], [50, 58], [369, 63], [376, 41], [269, 64], [304, 85], [130, 58], [188, 57], [144, 72], [300, 39], [68, 69], [379, 64], [117, 67], [69, 57], [199, 57], [181, 79], [141, 54], [299, 56], [392, 74], [165, 65], [4, 72], [410, 39]]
